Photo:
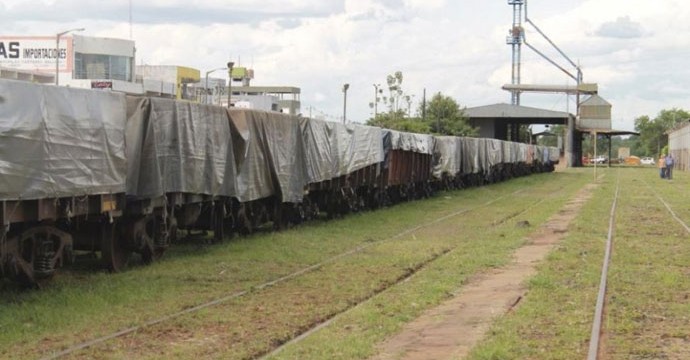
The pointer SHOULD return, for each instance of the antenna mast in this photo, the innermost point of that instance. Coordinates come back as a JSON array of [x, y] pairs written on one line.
[[130, 19]]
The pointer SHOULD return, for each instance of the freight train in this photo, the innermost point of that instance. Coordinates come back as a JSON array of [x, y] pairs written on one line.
[[85, 170]]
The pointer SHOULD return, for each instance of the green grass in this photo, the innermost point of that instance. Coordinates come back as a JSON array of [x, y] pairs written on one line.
[[647, 307], [477, 245], [83, 305]]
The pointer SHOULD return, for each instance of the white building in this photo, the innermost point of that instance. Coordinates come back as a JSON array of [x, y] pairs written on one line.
[[82, 61]]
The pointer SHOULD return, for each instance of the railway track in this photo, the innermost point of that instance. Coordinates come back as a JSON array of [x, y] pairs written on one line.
[[328, 321], [595, 337], [670, 210], [296, 274], [595, 345]]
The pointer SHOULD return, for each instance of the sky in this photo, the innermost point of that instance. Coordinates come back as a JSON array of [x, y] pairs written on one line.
[[637, 51]]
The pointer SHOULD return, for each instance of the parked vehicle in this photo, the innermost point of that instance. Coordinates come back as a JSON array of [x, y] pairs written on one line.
[[601, 159], [633, 160], [647, 161]]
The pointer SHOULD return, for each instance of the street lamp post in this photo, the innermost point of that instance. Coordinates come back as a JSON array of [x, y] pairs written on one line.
[[345, 87], [206, 83], [230, 65], [57, 52]]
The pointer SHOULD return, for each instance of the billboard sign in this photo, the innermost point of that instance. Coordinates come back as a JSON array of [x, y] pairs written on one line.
[[36, 53]]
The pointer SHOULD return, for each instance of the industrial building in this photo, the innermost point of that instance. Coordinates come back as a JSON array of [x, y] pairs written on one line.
[[109, 64], [169, 81], [78, 61], [679, 146]]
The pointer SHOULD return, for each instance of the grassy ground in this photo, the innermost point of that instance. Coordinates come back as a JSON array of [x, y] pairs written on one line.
[[481, 241], [647, 305], [82, 305], [370, 294]]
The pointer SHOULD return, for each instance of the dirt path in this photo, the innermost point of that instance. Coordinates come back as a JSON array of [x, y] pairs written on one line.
[[450, 330]]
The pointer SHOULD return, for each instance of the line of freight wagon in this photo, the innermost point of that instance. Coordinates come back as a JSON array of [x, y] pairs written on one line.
[[100, 171]]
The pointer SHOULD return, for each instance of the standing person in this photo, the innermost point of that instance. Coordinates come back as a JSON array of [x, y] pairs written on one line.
[[662, 166], [669, 166]]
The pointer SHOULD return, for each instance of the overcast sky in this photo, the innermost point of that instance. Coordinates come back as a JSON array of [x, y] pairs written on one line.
[[637, 51]]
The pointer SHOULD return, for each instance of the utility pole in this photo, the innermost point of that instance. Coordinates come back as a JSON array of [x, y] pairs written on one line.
[[230, 66], [376, 99], [424, 105]]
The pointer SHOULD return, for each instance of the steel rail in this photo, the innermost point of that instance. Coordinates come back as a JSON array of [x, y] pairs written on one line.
[[668, 207], [123, 332], [595, 336], [598, 317], [331, 319]]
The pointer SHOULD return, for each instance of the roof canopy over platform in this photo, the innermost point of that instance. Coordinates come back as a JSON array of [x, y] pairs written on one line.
[[517, 114], [583, 88]]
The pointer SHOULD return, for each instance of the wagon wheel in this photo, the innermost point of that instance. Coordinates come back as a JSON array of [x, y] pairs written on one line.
[[172, 229], [154, 240], [218, 223], [279, 216], [244, 223], [37, 253], [149, 255], [115, 254], [311, 209]]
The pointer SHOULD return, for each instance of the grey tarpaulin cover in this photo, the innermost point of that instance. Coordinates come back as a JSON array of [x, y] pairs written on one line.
[[447, 156], [521, 152], [320, 145], [540, 152], [470, 155], [554, 154], [510, 152], [270, 155], [333, 149], [532, 153], [358, 146], [419, 143], [177, 146], [57, 141], [494, 152], [482, 153]]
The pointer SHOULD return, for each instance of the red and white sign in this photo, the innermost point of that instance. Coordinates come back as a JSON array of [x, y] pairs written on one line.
[[101, 84]]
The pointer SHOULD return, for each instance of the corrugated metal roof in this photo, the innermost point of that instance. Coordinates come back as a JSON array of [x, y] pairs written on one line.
[[504, 110]]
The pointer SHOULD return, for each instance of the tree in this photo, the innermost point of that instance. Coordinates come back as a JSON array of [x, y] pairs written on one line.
[[617, 142], [395, 92], [653, 136], [393, 101], [398, 121], [446, 118]]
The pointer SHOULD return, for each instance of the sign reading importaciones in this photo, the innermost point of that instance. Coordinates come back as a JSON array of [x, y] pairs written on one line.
[[36, 53]]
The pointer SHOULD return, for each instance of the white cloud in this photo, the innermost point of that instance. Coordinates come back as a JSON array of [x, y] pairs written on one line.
[[424, 4], [622, 28], [456, 47]]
